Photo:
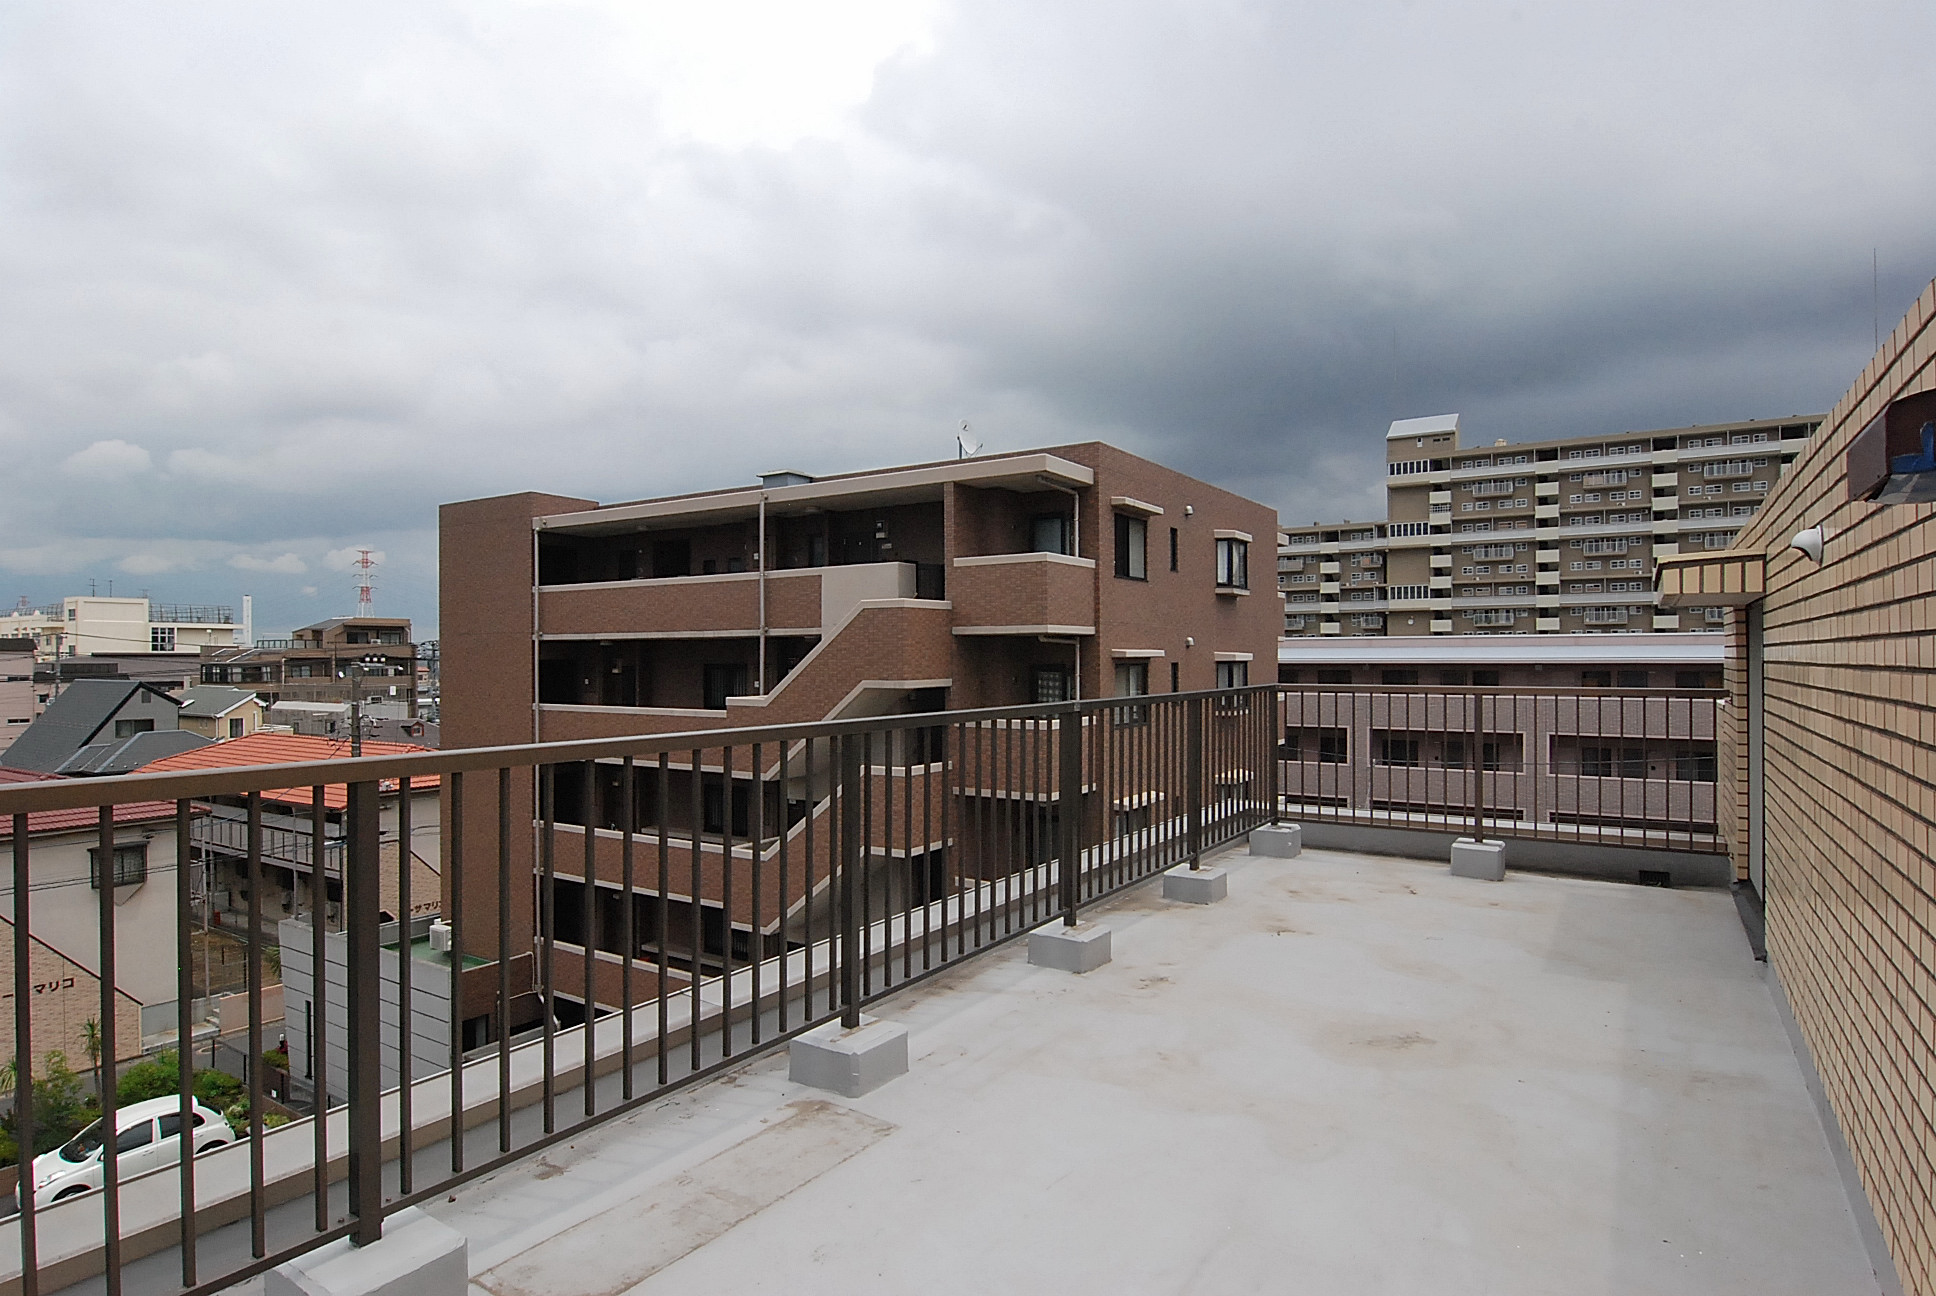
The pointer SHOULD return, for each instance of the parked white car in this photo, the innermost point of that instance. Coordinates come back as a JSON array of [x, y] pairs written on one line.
[[149, 1136]]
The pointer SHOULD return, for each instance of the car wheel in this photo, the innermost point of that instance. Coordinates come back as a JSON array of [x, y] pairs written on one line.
[[212, 1144], [65, 1193]]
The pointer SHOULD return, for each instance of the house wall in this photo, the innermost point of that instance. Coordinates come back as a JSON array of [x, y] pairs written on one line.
[[66, 996], [1850, 800], [65, 910]]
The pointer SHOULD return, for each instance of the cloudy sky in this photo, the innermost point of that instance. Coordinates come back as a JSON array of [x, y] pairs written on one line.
[[277, 280]]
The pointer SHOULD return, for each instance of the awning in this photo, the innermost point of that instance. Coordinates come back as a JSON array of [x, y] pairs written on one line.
[[1725, 578]]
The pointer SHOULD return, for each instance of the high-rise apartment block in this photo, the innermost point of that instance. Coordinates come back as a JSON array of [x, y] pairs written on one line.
[[1551, 537]]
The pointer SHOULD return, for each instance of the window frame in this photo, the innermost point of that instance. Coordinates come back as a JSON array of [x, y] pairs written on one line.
[[1233, 563], [124, 873], [1132, 547]]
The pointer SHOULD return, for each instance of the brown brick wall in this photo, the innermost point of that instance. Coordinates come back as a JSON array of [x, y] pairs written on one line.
[[1034, 590], [484, 602], [1851, 797]]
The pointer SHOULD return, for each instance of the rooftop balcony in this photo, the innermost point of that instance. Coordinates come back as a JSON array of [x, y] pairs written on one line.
[[1358, 1073]]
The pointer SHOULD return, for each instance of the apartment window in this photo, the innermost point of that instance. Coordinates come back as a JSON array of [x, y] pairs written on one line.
[[1233, 564], [1694, 764], [1176, 670], [1485, 678], [161, 638], [1132, 545], [1233, 674], [1173, 549], [1397, 751], [1330, 747], [1613, 762], [1132, 680], [1049, 533], [1334, 675], [1050, 684], [1596, 679], [1631, 679], [1399, 677], [722, 680], [129, 728], [236, 726], [130, 865]]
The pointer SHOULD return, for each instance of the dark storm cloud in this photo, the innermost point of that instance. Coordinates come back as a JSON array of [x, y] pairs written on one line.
[[278, 281]]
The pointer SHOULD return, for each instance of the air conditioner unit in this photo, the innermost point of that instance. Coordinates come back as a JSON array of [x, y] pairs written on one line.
[[440, 936]]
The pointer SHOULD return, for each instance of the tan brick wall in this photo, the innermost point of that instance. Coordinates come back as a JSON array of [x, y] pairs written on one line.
[[1851, 797], [65, 997]]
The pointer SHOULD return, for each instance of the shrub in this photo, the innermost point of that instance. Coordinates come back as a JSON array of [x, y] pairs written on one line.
[[276, 1059], [61, 1108], [156, 1078], [217, 1089]]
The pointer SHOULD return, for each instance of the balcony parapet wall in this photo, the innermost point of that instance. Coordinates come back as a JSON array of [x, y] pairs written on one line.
[[1024, 594]]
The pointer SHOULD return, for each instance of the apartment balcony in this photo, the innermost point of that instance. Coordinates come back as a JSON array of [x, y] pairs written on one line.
[[798, 600], [1024, 594]]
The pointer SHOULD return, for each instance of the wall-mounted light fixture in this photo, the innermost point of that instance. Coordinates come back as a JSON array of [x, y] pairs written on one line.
[[1810, 541]]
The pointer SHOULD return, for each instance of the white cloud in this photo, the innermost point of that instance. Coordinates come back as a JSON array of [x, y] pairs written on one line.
[[148, 564], [111, 459], [286, 564]]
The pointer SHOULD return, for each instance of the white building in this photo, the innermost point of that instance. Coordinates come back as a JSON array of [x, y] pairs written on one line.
[[83, 625]]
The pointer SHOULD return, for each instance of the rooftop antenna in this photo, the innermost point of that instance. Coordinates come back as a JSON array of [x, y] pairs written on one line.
[[964, 447], [365, 568]]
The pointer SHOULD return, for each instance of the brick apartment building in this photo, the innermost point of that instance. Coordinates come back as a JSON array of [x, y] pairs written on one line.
[[315, 664], [1074, 571], [1552, 537]]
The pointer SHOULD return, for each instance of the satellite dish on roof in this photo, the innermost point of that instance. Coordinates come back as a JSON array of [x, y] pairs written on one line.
[[964, 447]]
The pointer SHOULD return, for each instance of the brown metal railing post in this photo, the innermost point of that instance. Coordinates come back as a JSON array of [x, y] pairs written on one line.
[[23, 1059], [850, 865], [104, 1061], [1272, 728], [1477, 764], [1193, 717], [361, 900], [1069, 788]]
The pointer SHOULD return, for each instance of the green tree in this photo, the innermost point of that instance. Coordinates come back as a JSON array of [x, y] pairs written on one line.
[[91, 1041]]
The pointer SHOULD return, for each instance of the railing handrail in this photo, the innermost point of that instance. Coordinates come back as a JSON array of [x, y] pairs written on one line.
[[182, 785]]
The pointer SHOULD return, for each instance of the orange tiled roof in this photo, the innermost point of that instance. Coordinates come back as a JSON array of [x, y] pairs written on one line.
[[287, 749]]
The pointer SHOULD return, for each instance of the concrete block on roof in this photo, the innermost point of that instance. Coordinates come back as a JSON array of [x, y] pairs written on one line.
[[1279, 841], [849, 1062], [1081, 948], [1196, 886], [418, 1256], [1473, 858]]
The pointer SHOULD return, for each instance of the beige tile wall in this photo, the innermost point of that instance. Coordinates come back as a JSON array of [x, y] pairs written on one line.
[[1851, 796]]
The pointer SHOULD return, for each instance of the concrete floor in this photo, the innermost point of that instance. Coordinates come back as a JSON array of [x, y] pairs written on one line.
[[1357, 1074]]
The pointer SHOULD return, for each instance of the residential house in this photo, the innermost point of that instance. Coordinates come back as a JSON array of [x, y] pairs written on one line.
[[64, 879], [102, 726], [218, 711], [289, 847]]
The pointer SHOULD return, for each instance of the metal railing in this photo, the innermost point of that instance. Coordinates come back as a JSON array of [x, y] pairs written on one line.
[[1612, 767], [625, 917]]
